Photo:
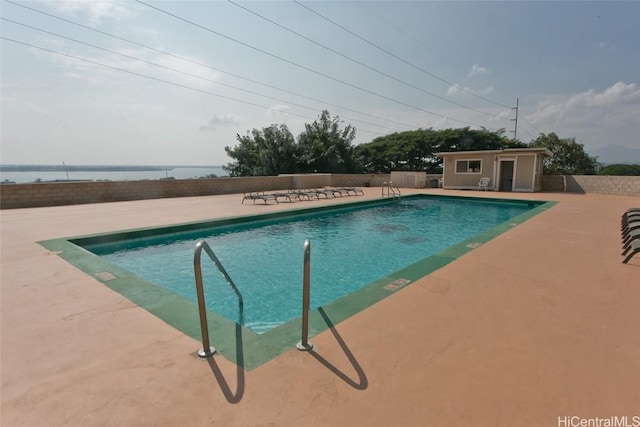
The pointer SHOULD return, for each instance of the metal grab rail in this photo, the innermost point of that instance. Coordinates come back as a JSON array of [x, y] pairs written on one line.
[[207, 350], [392, 190], [304, 344]]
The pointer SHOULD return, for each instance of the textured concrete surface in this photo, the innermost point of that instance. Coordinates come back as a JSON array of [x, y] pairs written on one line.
[[539, 323]]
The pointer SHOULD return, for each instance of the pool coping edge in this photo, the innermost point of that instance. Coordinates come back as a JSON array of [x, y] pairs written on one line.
[[241, 345]]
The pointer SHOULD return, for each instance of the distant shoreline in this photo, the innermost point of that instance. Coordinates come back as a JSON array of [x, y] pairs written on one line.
[[93, 168]]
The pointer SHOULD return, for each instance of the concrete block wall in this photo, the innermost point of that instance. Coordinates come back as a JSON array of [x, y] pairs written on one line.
[[359, 180], [614, 185], [314, 180], [13, 196], [405, 179], [552, 183]]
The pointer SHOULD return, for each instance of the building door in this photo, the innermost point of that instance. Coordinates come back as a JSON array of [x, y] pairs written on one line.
[[506, 175]]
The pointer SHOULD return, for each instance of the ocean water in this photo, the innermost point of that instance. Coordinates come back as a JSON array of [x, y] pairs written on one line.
[[176, 172]]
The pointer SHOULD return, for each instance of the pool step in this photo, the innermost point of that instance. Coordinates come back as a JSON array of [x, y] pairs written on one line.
[[262, 327]]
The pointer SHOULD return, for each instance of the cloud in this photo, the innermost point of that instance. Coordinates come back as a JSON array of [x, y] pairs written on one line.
[[95, 11], [459, 90], [618, 93], [604, 46], [278, 110], [595, 118], [477, 70], [217, 120], [187, 71], [620, 100], [454, 90]]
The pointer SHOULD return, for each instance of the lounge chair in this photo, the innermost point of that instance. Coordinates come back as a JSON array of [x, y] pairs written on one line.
[[356, 191], [631, 211], [632, 237], [253, 196], [629, 217], [635, 248], [302, 193], [338, 190], [331, 191], [318, 191], [629, 227], [291, 197], [484, 183], [633, 234]]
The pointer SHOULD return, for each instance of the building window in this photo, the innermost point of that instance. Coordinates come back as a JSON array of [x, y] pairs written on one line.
[[468, 166]]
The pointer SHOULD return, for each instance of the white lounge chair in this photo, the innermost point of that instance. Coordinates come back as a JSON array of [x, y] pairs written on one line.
[[484, 183]]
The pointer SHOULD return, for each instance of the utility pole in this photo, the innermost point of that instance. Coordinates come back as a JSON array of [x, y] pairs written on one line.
[[515, 129]]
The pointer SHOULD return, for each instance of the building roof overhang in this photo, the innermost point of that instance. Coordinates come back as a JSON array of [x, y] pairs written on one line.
[[542, 151]]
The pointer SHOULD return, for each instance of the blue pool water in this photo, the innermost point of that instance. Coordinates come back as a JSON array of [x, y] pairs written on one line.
[[350, 248]]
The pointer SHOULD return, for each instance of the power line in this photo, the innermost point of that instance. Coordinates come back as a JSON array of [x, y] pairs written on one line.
[[414, 39], [397, 57], [531, 124], [519, 118], [210, 67], [409, 36], [183, 72], [215, 69], [526, 132], [160, 80], [304, 67], [359, 62]]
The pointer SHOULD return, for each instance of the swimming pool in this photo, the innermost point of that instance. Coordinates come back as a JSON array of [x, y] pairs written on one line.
[[241, 345], [351, 247]]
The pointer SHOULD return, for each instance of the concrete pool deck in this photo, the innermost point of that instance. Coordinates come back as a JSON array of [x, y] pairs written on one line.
[[538, 324]]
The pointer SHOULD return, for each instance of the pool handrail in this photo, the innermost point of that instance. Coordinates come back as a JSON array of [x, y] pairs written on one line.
[[207, 350], [304, 344], [392, 190]]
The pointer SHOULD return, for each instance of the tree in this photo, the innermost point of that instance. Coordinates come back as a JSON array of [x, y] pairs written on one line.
[[620, 170], [568, 156], [414, 150], [410, 150], [324, 146], [269, 151]]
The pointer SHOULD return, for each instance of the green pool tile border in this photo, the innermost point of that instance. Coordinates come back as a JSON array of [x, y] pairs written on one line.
[[236, 343]]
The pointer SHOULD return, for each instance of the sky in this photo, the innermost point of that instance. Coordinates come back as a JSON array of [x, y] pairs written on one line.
[[175, 82]]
